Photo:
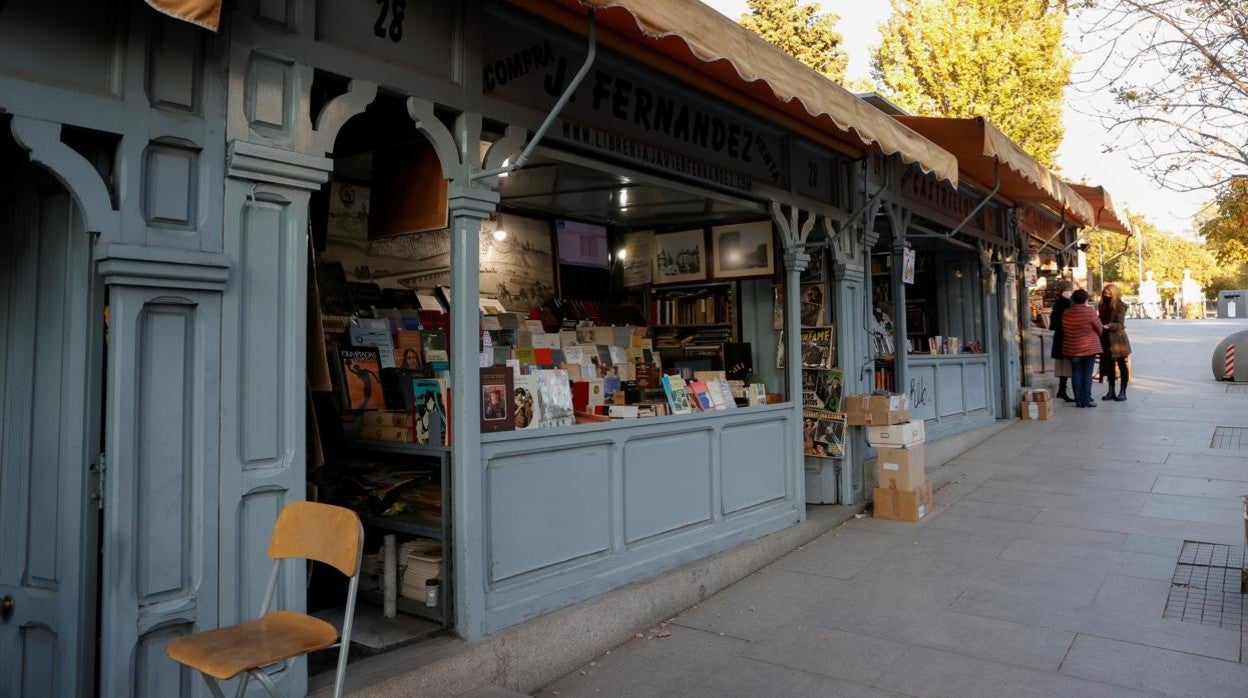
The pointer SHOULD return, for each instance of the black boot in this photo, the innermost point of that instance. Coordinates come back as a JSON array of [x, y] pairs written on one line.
[[1112, 394], [1122, 392], [1061, 390]]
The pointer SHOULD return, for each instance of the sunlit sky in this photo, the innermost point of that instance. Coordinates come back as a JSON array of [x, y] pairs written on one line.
[[1080, 156]]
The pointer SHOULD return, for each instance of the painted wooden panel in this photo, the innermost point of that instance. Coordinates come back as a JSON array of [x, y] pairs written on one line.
[[40, 661], [170, 185], [277, 14], [34, 36], [158, 675], [421, 35], [975, 385], [263, 266], [949, 399], [921, 387], [270, 88], [753, 460], [173, 66], [164, 463], [256, 516], [667, 483], [546, 508]]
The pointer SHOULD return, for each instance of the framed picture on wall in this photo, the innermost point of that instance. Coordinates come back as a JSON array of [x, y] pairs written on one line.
[[742, 251], [680, 257]]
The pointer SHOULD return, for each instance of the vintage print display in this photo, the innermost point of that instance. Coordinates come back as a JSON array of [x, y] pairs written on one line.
[[637, 258], [813, 273], [823, 433], [818, 347], [813, 302], [554, 394], [361, 372], [526, 409], [742, 250], [497, 399], [680, 257], [822, 389]]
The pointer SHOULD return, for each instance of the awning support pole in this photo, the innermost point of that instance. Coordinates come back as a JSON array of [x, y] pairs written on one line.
[[996, 188], [554, 112]]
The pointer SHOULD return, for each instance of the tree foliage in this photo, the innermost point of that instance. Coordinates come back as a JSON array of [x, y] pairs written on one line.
[[1165, 254], [1178, 70], [999, 59], [1226, 229], [801, 31]]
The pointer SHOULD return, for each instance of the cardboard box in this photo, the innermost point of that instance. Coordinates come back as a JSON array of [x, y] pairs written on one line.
[[864, 410], [900, 468], [1037, 395], [1041, 411], [897, 435], [903, 505]]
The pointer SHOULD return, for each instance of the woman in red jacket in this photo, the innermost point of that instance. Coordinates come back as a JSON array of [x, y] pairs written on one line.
[[1081, 342]]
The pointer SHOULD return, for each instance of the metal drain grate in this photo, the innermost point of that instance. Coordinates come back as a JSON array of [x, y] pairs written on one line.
[[1230, 438], [1237, 389], [1205, 588]]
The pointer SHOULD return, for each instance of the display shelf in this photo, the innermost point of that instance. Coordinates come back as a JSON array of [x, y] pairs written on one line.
[[409, 606]]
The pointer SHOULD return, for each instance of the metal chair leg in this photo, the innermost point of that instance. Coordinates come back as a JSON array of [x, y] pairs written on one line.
[[242, 684], [213, 687], [265, 681]]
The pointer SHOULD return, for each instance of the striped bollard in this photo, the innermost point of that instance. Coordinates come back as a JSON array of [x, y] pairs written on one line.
[[1230, 363]]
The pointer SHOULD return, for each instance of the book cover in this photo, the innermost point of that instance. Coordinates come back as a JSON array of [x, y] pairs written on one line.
[[430, 413], [823, 433], [364, 294], [373, 332], [821, 389], [597, 392], [725, 391], [677, 394], [701, 396], [361, 371], [580, 396], [497, 399], [555, 397], [525, 402], [543, 357], [525, 356], [408, 350], [433, 343]]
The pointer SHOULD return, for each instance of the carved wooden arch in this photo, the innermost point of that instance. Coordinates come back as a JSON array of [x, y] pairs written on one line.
[[457, 149], [42, 140], [337, 112]]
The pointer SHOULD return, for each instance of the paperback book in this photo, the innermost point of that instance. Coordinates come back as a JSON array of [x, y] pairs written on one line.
[[361, 375]]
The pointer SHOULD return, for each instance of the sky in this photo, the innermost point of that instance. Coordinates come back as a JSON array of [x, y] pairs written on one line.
[[1081, 155]]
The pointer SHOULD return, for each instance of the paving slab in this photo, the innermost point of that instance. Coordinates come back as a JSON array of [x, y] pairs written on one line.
[[830, 652], [1153, 669], [1202, 487], [1089, 558]]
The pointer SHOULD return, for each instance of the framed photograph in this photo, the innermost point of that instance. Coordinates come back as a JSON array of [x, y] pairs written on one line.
[[916, 321], [813, 273], [813, 303], [823, 433], [680, 257], [742, 251]]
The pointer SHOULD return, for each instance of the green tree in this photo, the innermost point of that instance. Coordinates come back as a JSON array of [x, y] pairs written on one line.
[[999, 59], [1226, 229], [801, 31], [1165, 254]]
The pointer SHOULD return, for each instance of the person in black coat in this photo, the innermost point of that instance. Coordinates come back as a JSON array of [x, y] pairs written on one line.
[[1061, 365]]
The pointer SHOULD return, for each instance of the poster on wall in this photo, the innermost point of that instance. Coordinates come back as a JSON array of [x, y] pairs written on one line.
[[637, 258], [741, 251], [518, 270], [907, 266], [812, 305], [680, 257], [348, 211], [821, 390]]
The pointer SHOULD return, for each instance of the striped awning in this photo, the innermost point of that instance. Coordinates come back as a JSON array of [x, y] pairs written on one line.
[[1108, 214], [205, 13]]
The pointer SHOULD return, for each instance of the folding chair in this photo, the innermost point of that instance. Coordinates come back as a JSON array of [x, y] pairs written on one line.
[[304, 530]]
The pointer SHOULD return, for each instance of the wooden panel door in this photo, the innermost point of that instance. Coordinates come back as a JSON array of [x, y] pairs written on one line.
[[50, 322]]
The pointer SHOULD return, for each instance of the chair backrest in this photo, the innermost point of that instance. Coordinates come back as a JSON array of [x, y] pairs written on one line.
[[322, 532]]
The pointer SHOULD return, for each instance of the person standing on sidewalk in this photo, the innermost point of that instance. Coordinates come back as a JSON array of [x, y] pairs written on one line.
[[1115, 347], [1061, 364], [1081, 342]]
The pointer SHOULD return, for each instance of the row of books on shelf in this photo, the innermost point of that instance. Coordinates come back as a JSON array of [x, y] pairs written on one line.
[[340, 297], [567, 313], [701, 307]]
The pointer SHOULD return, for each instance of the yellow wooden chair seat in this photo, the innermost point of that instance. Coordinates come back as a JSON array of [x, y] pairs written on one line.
[[225, 652]]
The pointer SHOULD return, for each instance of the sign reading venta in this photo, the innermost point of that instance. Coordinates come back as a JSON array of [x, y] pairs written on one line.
[[622, 109]]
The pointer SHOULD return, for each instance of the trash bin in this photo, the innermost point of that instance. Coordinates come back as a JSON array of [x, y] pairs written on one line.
[[1233, 304]]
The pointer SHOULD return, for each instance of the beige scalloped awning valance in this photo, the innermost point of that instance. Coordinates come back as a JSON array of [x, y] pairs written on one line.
[[205, 13], [717, 50], [1109, 216], [979, 147]]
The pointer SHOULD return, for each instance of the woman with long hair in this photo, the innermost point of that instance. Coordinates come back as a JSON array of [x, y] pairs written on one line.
[[1115, 347], [1081, 342], [1061, 364]]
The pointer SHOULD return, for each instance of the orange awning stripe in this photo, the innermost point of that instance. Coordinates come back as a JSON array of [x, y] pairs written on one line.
[[205, 13], [1108, 215], [979, 146], [714, 46]]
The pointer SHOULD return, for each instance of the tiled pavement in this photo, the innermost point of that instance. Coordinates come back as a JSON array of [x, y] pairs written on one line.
[[1043, 571]]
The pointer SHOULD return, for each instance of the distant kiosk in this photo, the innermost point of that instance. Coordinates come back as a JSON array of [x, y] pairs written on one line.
[[1233, 304]]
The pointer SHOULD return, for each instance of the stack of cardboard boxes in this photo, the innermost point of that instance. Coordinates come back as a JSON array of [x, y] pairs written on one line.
[[1037, 404], [902, 492]]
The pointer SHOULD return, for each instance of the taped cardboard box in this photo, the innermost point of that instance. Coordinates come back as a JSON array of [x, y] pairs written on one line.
[[900, 468], [1037, 395], [1040, 411], [864, 410], [897, 435], [903, 505]]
